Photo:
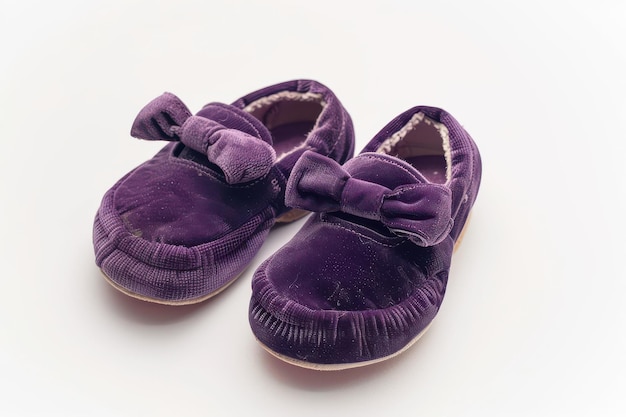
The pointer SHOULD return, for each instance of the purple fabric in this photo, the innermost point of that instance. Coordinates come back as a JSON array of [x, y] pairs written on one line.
[[332, 128], [465, 160], [418, 209], [242, 157], [184, 224], [349, 288]]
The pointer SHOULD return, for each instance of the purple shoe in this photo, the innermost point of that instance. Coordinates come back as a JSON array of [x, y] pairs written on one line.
[[365, 276], [182, 226]]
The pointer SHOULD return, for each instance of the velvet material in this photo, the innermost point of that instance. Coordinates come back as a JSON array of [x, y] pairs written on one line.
[[416, 208], [241, 156], [184, 224], [353, 285]]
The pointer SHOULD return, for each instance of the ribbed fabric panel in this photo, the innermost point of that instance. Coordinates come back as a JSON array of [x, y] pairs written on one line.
[[332, 336], [169, 272]]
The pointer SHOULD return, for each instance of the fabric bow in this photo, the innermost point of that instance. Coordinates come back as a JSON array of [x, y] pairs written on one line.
[[242, 157], [420, 210]]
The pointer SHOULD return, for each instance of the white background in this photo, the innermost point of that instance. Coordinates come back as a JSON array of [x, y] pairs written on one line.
[[534, 318]]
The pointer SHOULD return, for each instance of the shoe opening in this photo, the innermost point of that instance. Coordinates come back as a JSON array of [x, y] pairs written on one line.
[[423, 143], [289, 116]]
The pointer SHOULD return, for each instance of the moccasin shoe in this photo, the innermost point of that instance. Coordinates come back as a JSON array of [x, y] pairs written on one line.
[[367, 273], [183, 225]]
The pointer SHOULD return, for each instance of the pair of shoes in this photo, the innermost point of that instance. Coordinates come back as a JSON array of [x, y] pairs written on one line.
[[364, 277]]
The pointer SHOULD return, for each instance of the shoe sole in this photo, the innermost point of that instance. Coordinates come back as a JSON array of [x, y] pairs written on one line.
[[343, 366], [292, 215], [167, 302], [288, 217]]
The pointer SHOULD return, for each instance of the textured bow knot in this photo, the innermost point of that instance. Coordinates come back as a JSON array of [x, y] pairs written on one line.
[[241, 157], [421, 211]]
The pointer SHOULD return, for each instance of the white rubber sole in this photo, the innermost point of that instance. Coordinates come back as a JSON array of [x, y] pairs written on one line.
[[288, 217], [342, 366], [167, 302]]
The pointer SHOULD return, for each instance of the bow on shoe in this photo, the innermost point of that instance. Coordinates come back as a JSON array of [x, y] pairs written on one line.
[[242, 157], [420, 210]]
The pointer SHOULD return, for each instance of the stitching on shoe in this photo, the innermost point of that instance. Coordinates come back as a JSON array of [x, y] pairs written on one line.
[[376, 158], [364, 236]]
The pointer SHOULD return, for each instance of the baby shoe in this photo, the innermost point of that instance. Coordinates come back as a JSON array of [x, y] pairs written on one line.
[[183, 225], [365, 276]]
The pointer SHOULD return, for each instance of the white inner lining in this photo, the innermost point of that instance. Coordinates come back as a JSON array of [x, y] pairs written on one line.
[[284, 96], [420, 145]]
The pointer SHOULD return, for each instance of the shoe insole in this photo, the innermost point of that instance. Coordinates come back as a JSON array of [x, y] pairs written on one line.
[[433, 167], [289, 136]]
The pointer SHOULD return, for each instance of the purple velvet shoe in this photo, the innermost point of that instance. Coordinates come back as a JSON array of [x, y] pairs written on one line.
[[182, 226], [365, 276]]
